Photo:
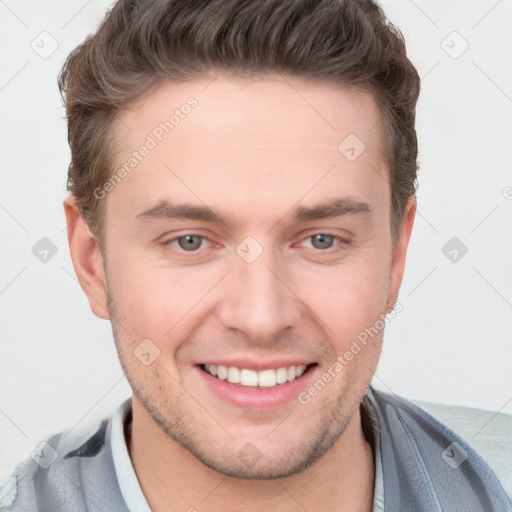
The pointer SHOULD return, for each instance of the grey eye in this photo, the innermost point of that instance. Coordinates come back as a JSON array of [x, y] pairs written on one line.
[[190, 242], [322, 241]]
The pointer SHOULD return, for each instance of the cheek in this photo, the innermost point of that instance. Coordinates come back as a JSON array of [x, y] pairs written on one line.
[[152, 298], [347, 299], [139, 296]]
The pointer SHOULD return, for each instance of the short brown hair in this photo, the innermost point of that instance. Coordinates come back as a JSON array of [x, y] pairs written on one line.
[[140, 43]]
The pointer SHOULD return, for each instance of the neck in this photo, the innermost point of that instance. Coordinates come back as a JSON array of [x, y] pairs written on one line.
[[172, 479]]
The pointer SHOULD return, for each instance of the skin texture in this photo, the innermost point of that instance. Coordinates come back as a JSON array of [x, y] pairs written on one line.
[[252, 151]]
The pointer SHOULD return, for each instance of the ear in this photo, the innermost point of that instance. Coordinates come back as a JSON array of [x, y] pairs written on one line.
[[400, 252], [87, 259]]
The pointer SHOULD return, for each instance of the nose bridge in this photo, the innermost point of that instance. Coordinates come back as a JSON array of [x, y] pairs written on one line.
[[257, 301]]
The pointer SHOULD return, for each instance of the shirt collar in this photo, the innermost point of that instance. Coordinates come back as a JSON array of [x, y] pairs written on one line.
[[126, 477]]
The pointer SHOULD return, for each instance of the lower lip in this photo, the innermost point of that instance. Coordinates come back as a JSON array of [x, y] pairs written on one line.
[[258, 398]]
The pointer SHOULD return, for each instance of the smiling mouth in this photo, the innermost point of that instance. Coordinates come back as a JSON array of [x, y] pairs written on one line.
[[245, 377]]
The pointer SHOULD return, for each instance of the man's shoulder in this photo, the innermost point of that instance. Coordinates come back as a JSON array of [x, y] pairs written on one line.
[[489, 433], [72, 468], [459, 450]]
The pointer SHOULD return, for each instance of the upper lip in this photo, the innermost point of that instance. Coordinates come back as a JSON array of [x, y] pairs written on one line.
[[259, 365]]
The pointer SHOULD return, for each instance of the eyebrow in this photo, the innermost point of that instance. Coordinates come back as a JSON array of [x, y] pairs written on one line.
[[335, 208], [167, 210]]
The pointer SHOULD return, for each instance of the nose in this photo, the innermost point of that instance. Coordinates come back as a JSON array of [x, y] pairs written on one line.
[[258, 299]]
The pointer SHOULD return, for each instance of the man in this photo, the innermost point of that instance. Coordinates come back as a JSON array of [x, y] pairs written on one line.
[[242, 198]]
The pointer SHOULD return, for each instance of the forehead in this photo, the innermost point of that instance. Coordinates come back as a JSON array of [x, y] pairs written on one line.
[[265, 140], [270, 110]]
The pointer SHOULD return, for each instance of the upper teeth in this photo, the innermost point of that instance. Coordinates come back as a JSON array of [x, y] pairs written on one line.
[[245, 377]]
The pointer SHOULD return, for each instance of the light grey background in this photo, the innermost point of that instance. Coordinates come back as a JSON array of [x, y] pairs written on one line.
[[451, 342]]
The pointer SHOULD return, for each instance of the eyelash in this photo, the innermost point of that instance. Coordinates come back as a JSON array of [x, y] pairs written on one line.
[[342, 242]]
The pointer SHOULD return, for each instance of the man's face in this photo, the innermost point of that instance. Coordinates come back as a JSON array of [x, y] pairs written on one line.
[[263, 268]]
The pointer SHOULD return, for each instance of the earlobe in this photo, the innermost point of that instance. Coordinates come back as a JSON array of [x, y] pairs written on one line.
[[87, 259], [400, 252]]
